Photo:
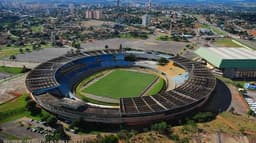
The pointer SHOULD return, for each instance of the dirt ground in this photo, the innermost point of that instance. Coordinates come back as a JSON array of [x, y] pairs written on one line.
[[171, 70], [12, 88]]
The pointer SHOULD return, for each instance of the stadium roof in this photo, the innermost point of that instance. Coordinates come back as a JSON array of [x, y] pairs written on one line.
[[229, 57]]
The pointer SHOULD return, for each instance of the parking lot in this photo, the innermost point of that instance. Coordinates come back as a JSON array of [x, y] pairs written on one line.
[[26, 128], [250, 97]]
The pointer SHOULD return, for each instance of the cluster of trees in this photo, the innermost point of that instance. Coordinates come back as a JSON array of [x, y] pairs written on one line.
[[161, 127], [251, 113], [203, 117], [76, 44], [32, 107], [105, 139], [165, 38], [59, 134], [164, 128], [134, 34], [162, 61]]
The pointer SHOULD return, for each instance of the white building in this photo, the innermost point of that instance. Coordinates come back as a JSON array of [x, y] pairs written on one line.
[[146, 20], [93, 14]]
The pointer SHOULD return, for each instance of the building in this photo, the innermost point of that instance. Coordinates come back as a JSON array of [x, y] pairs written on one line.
[[93, 14], [89, 14], [235, 63], [118, 3], [98, 14], [146, 20]]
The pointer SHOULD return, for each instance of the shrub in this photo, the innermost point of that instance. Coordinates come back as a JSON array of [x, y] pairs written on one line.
[[160, 127], [51, 120], [251, 113], [203, 117], [163, 61]]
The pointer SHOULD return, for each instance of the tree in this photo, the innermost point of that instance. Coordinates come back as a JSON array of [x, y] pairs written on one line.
[[59, 134], [12, 57], [21, 51], [190, 127], [52, 120], [24, 69], [160, 127], [162, 61], [36, 46], [251, 113], [121, 47], [203, 117], [106, 47], [27, 50], [109, 139], [31, 106], [76, 45]]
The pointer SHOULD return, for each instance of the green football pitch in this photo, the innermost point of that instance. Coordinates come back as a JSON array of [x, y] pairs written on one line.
[[121, 83]]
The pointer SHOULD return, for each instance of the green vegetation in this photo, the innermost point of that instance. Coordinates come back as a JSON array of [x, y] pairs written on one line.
[[37, 28], [11, 70], [157, 87], [134, 35], [163, 61], [190, 127], [164, 38], [119, 84], [218, 31], [59, 134], [251, 113], [203, 117], [76, 44], [86, 99], [239, 84], [106, 139], [213, 29], [161, 127], [16, 109], [225, 42], [205, 26], [8, 136], [7, 51]]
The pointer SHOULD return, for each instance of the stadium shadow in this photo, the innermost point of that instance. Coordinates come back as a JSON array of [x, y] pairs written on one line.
[[220, 100]]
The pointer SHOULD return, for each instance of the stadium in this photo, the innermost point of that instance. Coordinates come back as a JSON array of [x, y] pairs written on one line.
[[120, 86]]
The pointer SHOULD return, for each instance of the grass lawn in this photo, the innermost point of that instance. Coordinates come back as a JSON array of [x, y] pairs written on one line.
[[157, 87], [164, 38], [205, 26], [16, 109], [225, 42], [11, 70], [14, 50], [37, 28], [130, 36], [121, 83], [218, 31]]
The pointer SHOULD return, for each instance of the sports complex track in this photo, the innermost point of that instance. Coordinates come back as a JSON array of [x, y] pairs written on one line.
[[51, 85]]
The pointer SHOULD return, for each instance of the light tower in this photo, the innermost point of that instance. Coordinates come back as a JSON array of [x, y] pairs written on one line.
[[53, 40]]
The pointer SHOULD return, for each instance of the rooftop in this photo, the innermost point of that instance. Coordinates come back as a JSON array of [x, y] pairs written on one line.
[[233, 53], [229, 57]]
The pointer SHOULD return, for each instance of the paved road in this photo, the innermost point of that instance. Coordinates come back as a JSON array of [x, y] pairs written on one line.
[[149, 44]]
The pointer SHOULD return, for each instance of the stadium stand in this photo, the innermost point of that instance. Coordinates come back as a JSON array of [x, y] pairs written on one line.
[[51, 85]]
